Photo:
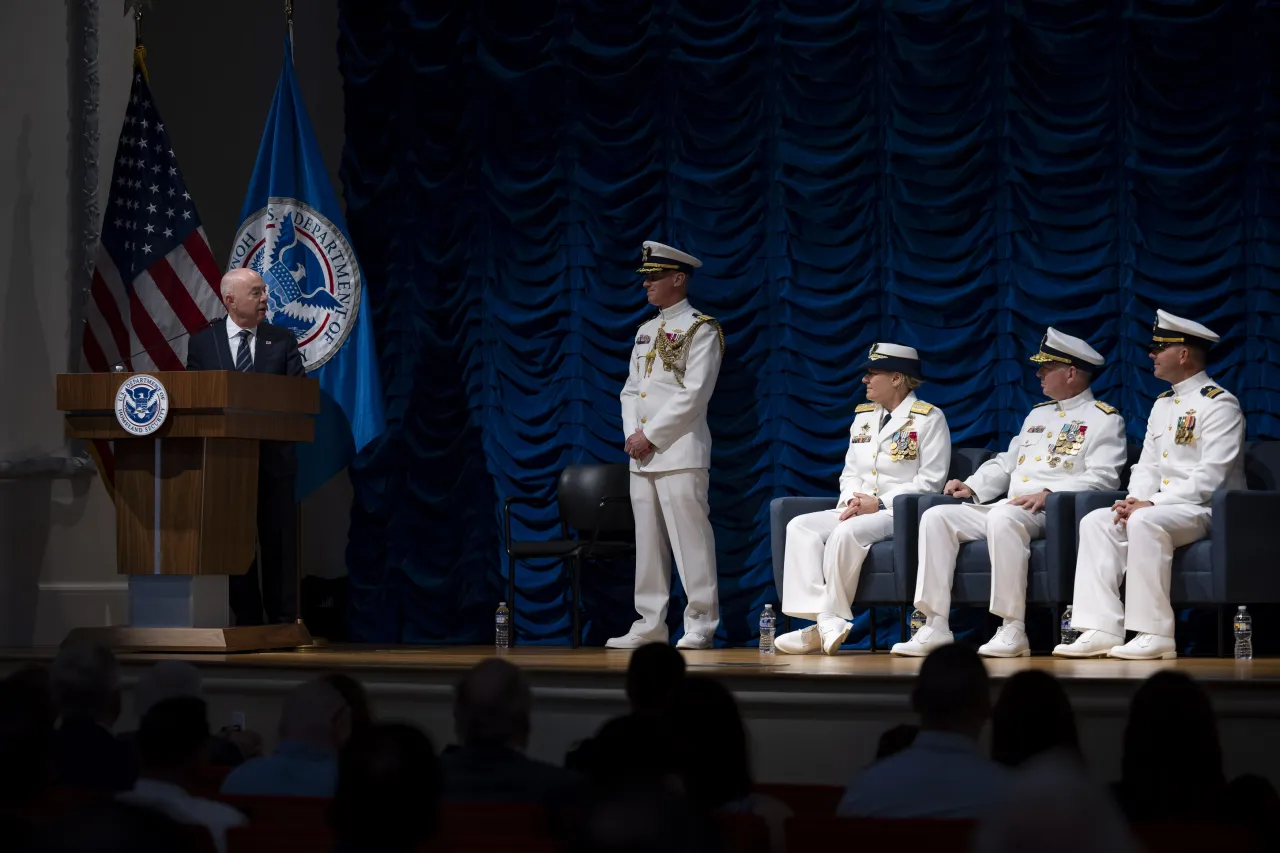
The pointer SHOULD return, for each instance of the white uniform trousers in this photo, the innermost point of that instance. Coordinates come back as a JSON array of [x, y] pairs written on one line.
[[1008, 531], [1142, 555], [671, 515], [824, 559]]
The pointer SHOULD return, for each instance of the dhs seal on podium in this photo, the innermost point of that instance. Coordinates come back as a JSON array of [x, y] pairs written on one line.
[[313, 281], [142, 404]]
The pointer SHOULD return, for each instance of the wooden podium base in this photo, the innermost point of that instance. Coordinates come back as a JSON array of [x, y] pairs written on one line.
[[249, 638]]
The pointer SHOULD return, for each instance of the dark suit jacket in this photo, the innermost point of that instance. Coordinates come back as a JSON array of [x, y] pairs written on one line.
[[86, 755], [276, 351]]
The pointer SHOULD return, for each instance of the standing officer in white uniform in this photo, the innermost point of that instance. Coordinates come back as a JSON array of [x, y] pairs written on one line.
[[898, 445], [1069, 443], [674, 364], [1194, 446]]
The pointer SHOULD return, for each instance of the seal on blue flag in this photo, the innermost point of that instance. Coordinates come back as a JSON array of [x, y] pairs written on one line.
[[313, 280]]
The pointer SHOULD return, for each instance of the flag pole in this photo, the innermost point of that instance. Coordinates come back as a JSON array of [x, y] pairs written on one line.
[[297, 517]]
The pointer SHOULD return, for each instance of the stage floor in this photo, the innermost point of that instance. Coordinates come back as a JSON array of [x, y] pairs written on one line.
[[726, 663]]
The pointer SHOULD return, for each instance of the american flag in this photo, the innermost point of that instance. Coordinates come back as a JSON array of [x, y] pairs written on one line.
[[154, 276]]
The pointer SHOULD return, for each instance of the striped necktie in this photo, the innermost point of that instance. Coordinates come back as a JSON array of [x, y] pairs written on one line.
[[244, 359]]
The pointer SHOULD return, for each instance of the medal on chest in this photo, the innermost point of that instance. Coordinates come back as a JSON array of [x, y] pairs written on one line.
[[904, 445], [1185, 434]]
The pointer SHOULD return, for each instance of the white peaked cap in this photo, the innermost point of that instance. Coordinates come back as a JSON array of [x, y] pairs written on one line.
[[659, 257], [1059, 348], [1169, 329]]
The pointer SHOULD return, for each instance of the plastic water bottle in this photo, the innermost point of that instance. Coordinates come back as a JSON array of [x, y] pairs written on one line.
[[502, 626], [1244, 634], [1069, 634], [917, 622], [768, 624]]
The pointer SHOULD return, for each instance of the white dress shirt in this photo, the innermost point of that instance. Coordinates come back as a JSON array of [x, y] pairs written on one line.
[[233, 338]]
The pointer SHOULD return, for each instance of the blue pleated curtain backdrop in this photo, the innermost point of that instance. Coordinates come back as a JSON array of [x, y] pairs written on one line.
[[953, 176]]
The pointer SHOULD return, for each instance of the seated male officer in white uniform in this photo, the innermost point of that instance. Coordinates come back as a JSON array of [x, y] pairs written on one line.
[[1069, 443], [1194, 446], [675, 360], [898, 445]]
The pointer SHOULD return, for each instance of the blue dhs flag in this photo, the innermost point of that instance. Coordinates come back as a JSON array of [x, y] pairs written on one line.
[[293, 234]]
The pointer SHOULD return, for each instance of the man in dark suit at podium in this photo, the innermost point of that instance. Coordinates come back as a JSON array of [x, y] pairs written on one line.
[[244, 341]]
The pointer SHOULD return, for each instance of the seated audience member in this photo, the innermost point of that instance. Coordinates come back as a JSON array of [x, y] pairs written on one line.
[[85, 684], [1254, 805], [943, 774], [1052, 806], [895, 740], [492, 715], [629, 751], [653, 674], [315, 724], [173, 743], [1171, 764], [26, 758], [353, 693], [713, 758], [388, 793], [166, 680], [115, 827], [1032, 715]]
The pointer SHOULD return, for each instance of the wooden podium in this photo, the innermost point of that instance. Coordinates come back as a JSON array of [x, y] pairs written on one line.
[[186, 500]]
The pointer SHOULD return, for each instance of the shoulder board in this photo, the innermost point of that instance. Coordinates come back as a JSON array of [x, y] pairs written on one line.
[[865, 407], [1110, 410], [648, 320], [1211, 391], [706, 318], [1168, 393], [919, 407], [1045, 403]]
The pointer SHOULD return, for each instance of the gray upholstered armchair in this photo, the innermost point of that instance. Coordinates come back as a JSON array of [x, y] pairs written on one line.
[[1236, 564], [884, 578]]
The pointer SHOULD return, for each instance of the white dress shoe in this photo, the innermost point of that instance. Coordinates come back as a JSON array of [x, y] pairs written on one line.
[[1146, 647], [1009, 642], [803, 642], [1090, 644], [629, 641], [925, 641], [833, 631], [694, 641]]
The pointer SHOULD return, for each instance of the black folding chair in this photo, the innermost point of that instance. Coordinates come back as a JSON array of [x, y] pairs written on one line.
[[595, 504]]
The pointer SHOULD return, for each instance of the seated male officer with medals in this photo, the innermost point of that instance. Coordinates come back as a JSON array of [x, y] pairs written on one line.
[[1194, 446], [1069, 443], [898, 445]]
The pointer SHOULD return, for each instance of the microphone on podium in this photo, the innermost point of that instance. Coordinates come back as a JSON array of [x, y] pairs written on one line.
[[119, 366]]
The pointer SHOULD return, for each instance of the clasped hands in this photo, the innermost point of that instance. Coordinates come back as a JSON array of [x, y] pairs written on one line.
[[1127, 507], [860, 504], [638, 446]]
